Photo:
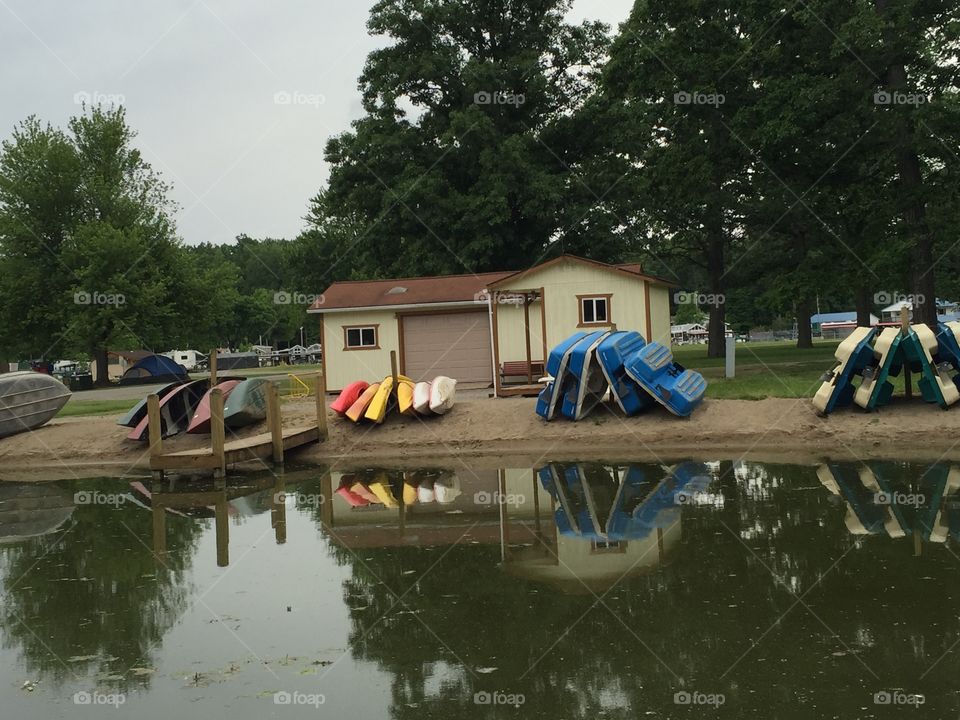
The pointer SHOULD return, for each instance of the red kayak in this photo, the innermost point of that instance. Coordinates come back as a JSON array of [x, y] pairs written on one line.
[[348, 396], [200, 423]]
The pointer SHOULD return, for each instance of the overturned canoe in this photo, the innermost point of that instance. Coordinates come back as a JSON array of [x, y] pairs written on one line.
[[247, 403], [442, 392], [348, 396], [176, 410], [200, 422], [28, 400], [421, 398], [139, 411]]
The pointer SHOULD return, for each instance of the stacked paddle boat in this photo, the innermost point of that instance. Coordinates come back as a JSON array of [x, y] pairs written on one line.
[[361, 401], [185, 407], [637, 374], [867, 360]]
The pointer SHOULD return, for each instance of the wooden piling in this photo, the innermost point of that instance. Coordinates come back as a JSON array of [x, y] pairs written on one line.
[[278, 509], [155, 430], [322, 406], [218, 438], [275, 423], [213, 367], [526, 335]]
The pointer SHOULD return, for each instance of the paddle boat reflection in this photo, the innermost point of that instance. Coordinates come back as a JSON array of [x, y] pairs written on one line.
[[609, 522], [884, 498]]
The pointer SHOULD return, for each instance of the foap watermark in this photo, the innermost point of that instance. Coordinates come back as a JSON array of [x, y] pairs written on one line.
[[484, 497], [296, 97], [498, 697], [683, 97], [300, 499], [499, 297], [499, 98], [697, 497], [283, 297], [85, 297], [85, 97], [682, 297], [95, 497], [898, 697], [889, 297], [314, 700], [698, 698], [885, 97], [98, 698], [899, 498]]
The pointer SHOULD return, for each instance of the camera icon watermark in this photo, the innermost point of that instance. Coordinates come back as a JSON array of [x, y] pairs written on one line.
[[697, 298], [499, 98], [99, 699], [95, 497], [684, 97], [299, 698], [684, 697], [499, 297], [296, 97], [285, 297], [85, 297], [897, 697], [497, 697]]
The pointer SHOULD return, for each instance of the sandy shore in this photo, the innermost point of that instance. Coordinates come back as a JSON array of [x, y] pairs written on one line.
[[507, 432]]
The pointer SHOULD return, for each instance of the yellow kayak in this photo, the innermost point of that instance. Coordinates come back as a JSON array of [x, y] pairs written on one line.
[[377, 409], [405, 398], [409, 493]]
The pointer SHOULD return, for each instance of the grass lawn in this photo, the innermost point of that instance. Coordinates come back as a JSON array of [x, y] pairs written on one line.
[[767, 369], [75, 407]]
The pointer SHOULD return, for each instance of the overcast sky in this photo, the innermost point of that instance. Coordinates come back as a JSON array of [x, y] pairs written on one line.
[[200, 81]]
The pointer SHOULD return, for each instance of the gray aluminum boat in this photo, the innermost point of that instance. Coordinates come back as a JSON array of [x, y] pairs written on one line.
[[28, 400]]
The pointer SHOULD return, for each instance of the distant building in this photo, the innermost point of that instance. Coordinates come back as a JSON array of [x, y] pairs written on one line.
[[946, 311], [687, 333], [837, 325]]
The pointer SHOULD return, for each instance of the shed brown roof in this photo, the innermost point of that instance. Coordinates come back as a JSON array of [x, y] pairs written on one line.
[[405, 291]]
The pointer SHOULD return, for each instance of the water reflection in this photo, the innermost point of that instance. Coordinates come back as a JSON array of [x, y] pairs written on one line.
[[594, 589]]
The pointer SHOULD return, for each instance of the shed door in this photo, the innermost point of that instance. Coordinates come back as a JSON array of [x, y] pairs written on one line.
[[452, 344]]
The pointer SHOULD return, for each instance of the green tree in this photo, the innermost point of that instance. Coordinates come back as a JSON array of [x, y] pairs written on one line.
[[460, 162]]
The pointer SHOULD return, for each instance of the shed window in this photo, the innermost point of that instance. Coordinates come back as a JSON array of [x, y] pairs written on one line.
[[594, 310], [361, 337]]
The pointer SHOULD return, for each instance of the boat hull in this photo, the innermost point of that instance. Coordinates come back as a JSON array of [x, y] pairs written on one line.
[[28, 400], [442, 394], [550, 398], [853, 355], [176, 410], [421, 398], [348, 396], [357, 409], [247, 403], [200, 422], [629, 397], [589, 383]]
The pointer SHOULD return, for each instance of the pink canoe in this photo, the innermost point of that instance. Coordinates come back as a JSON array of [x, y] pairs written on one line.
[[200, 423]]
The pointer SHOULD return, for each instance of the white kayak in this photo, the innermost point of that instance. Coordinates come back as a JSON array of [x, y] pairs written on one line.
[[421, 398], [442, 391]]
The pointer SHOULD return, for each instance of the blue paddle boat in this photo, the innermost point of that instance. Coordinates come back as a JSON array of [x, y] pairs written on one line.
[[920, 349], [653, 368], [588, 384], [548, 401], [611, 352], [875, 388]]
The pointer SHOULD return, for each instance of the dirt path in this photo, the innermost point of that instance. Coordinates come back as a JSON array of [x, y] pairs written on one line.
[[508, 432]]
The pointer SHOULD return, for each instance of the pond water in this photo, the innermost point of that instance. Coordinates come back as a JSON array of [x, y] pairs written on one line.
[[595, 590]]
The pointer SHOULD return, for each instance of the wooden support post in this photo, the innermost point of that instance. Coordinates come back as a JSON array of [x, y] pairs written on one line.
[[526, 335], [393, 369], [322, 405], [275, 422], [222, 520], [218, 436], [213, 367], [155, 431], [904, 332]]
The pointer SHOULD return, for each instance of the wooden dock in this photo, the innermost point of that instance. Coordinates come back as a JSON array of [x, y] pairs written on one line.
[[273, 444]]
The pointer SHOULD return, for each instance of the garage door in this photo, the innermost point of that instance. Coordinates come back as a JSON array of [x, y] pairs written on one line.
[[452, 344]]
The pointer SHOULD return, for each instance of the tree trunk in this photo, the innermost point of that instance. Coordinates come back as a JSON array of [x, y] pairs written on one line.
[[922, 285], [804, 331], [864, 303], [717, 344], [103, 367]]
